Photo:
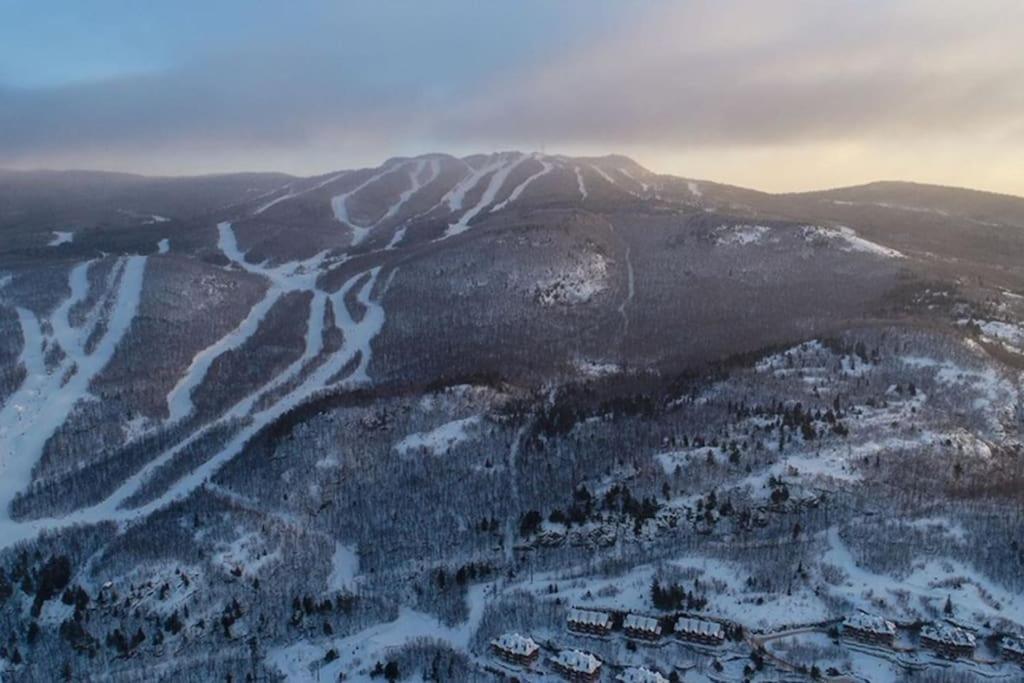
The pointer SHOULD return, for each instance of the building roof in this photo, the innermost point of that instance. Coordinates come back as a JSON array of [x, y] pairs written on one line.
[[1011, 644], [515, 643], [576, 660], [642, 623], [641, 675], [700, 627], [948, 635], [590, 617], [870, 622]]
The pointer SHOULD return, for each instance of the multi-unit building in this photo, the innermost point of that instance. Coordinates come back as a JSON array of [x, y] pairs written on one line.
[[869, 628], [589, 621], [516, 649], [641, 627], [948, 640], [575, 665], [640, 675], [700, 631], [1013, 649]]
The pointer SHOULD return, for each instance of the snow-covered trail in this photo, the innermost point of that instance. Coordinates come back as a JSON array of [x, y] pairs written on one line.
[[630, 283], [358, 337], [500, 171], [510, 464], [179, 400], [417, 182], [546, 168], [579, 181], [339, 203], [305, 378], [291, 194], [360, 650], [46, 397], [604, 175]]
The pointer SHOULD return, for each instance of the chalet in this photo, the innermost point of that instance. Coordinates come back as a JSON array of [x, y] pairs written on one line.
[[640, 675], [1012, 649], [947, 640], [516, 649], [575, 665], [869, 628], [641, 627], [590, 621], [700, 631]]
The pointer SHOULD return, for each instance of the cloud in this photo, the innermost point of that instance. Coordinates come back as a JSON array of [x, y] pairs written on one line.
[[704, 77], [348, 86]]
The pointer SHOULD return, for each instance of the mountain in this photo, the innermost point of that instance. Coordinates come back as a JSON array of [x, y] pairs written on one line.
[[267, 426]]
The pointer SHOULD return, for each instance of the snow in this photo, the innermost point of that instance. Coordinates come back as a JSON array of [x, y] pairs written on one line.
[[45, 398], [500, 171], [580, 183], [595, 369], [694, 189], [358, 653], [928, 582], [163, 246], [578, 284], [60, 237], [297, 193], [416, 182], [643, 186], [545, 168], [247, 554], [344, 568], [339, 204], [1008, 333], [578, 661], [850, 240], [741, 235], [179, 400], [604, 175], [32, 413], [440, 440]]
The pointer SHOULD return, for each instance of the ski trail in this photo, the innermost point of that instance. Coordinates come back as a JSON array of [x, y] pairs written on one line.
[[630, 282], [546, 168], [339, 203], [163, 246], [358, 337], [694, 189], [604, 175], [510, 465], [397, 238], [179, 400], [296, 276], [629, 294], [292, 194], [501, 170], [45, 399], [643, 185], [579, 181], [417, 184]]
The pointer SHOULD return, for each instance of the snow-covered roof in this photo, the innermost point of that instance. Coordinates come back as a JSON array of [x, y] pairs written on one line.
[[641, 675], [642, 623], [870, 622], [699, 626], [590, 617], [950, 635], [576, 660], [515, 643], [1015, 645]]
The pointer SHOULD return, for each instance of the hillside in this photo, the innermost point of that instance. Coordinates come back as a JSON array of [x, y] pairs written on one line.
[[277, 425]]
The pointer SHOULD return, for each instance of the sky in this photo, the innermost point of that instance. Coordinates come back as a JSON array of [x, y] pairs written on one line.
[[782, 96]]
